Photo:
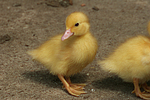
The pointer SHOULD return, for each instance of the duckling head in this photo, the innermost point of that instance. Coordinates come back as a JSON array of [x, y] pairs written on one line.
[[77, 24]]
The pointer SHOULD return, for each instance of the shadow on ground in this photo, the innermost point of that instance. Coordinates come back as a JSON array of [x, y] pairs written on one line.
[[44, 77], [114, 84]]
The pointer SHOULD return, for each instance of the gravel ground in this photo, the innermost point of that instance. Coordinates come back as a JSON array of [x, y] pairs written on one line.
[[25, 24]]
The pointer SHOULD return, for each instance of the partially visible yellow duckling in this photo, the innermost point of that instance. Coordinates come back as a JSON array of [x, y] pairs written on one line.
[[67, 54], [131, 62]]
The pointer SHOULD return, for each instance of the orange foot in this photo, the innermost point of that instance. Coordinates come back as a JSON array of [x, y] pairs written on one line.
[[138, 92], [146, 87], [73, 89], [75, 86]]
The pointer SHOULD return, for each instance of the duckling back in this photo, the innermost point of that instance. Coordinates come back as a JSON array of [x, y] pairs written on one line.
[[46, 53], [131, 59]]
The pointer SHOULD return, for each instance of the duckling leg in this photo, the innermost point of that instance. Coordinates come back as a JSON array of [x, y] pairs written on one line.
[[137, 90], [146, 87], [75, 86], [70, 89]]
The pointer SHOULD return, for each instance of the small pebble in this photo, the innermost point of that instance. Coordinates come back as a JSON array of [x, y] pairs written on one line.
[[8, 7], [95, 8], [64, 3], [52, 3], [16, 5], [82, 5], [4, 38], [26, 45], [70, 2], [92, 90], [87, 74]]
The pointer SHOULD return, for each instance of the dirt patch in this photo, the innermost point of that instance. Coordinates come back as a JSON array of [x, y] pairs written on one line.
[[29, 23]]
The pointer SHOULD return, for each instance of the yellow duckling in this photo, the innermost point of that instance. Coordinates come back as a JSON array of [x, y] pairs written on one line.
[[131, 62], [67, 54]]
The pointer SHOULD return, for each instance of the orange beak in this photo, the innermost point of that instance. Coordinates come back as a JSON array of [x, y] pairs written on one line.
[[66, 35]]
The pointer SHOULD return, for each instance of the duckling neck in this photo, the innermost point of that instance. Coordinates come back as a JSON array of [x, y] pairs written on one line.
[[77, 37]]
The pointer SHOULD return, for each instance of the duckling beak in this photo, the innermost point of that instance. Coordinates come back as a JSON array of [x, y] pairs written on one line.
[[66, 35]]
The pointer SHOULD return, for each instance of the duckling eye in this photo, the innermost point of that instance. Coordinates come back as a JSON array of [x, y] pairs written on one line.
[[77, 24]]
